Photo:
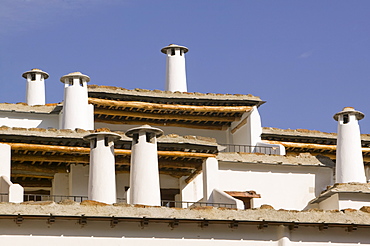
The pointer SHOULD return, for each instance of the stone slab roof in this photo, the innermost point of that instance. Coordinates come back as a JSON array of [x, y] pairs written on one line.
[[303, 159], [80, 133], [117, 92], [264, 214], [360, 188], [25, 108], [305, 135]]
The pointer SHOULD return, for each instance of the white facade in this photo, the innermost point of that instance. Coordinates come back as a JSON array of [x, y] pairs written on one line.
[[175, 68]]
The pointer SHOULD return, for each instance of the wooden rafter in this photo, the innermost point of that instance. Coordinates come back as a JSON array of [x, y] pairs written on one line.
[[122, 113], [83, 150], [171, 107]]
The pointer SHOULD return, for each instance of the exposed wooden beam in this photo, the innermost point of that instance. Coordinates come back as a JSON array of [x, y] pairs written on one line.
[[330, 155], [194, 174], [37, 168], [18, 175], [32, 183], [314, 147], [172, 107], [86, 151], [174, 124], [162, 116], [52, 158]]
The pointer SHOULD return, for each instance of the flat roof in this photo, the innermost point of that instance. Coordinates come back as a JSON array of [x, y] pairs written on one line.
[[264, 214]]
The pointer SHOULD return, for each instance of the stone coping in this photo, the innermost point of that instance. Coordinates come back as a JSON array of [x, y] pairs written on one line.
[[265, 213], [36, 109], [305, 133], [359, 188], [80, 133], [303, 159], [169, 94]]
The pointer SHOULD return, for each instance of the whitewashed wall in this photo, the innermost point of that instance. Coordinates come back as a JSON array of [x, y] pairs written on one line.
[[29, 120], [286, 187], [95, 233]]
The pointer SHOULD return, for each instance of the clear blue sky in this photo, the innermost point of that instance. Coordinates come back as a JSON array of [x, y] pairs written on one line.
[[308, 59]]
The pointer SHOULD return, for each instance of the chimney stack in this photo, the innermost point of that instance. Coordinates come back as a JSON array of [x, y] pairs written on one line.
[[35, 90], [349, 161], [144, 174], [102, 172], [175, 68], [77, 112]]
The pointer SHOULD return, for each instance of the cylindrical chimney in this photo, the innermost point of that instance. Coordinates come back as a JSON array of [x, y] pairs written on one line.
[[77, 113], [35, 90], [144, 173], [175, 68], [349, 161], [102, 177]]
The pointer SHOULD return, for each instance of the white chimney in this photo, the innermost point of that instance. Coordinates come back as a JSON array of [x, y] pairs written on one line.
[[349, 161], [35, 90], [175, 68], [102, 173], [77, 113], [144, 173]]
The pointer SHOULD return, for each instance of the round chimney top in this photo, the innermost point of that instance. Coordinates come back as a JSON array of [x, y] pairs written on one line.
[[35, 70], [164, 50], [113, 135], [349, 110], [75, 74], [158, 132]]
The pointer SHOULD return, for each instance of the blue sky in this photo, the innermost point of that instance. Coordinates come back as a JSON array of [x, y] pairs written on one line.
[[308, 59]]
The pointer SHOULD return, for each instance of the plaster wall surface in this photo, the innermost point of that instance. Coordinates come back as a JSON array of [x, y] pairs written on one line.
[[60, 185], [129, 233], [330, 203], [29, 120], [192, 191], [78, 180], [250, 132], [122, 181], [353, 200], [169, 182], [286, 187]]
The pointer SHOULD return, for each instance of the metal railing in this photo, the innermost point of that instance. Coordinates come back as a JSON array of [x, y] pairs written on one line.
[[270, 150], [164, 203], [182, 204], [54, 198]]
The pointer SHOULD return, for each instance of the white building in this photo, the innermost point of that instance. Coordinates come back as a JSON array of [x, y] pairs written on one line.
[[216, 176]]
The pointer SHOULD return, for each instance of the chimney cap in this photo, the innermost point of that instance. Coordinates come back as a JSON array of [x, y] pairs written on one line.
[[115, 136], [35, 70], [349, 110], [164, 50], [158, 132], [75, 74]]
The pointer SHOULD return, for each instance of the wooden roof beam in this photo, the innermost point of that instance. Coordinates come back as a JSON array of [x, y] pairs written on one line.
[[172, 107], [121, 113]]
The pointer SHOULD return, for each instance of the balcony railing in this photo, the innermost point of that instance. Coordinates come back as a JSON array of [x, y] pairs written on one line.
[[269, 150], [164, 203], [181, 204]]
